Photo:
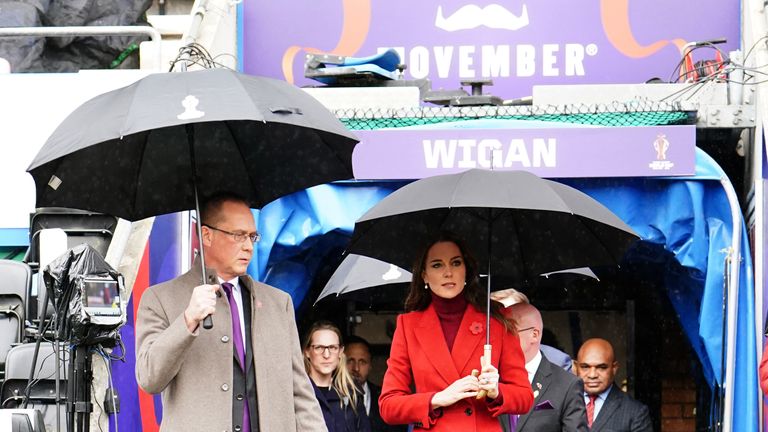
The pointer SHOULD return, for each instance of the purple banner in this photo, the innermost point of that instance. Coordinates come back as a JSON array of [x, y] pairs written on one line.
[[517, 43], [554, 153]]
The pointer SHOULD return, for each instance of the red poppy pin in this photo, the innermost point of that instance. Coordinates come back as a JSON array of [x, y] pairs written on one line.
[[476, 327]]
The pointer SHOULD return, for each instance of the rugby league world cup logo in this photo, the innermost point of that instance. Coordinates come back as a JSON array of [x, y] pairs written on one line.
[[661, 145]]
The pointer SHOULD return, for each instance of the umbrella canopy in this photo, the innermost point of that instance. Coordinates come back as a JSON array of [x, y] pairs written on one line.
[[169, 141], [145, 149], [516, 224], [583, 271], [358, 272]]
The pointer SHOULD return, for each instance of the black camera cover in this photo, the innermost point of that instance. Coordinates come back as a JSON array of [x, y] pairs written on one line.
[[64, 281]]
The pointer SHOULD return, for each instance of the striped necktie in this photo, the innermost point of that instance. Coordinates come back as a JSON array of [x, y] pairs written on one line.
[[591, 410]]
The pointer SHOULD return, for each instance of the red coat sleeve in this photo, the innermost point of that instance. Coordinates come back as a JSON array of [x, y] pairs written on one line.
[[397, 404], [764, 371], [514, 388]]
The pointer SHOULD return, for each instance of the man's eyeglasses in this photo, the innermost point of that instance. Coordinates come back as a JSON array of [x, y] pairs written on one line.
[[319, 349], [238, 237], [525, 329]]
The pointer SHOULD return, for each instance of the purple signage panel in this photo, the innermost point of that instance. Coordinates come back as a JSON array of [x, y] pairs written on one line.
[[554, 153], [518, 43]]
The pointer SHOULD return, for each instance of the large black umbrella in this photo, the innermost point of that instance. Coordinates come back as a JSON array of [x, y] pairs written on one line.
[[144, 149], [168, 141], [516, 224]]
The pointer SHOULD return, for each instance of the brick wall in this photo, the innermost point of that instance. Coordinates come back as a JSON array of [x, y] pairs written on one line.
[[678, 388]]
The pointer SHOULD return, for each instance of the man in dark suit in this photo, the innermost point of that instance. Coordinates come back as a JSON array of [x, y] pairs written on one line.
[[358, 353], [608, 408], [511, 296], [558, 402]]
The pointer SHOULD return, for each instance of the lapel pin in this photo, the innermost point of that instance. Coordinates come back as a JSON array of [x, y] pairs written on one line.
[[476, 327]]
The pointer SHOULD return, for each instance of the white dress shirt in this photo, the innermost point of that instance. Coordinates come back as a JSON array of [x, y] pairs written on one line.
[[599, 401], [367, 397], [532, 366]]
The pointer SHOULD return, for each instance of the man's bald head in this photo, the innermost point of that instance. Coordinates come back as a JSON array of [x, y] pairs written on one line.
[[529, 328], [597, 346], [596, 365]]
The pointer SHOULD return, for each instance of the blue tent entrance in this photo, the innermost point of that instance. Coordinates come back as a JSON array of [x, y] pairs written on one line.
[[689, 217]]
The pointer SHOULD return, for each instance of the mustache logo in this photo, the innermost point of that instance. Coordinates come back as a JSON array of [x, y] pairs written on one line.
[[472, 16]]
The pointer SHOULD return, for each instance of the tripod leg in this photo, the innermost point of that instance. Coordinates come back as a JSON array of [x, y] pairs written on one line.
[[81, 383], [71, 390]]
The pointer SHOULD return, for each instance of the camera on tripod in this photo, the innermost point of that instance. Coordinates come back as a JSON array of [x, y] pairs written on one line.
[[85, 292], [95, 311]]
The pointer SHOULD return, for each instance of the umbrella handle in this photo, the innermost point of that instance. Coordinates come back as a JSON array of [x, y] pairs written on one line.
[[208, 323], [486, 360]]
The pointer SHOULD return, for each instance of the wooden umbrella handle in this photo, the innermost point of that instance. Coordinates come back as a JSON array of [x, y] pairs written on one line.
[[486, 360]]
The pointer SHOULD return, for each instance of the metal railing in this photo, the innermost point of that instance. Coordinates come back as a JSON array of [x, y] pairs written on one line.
[[88, 31]]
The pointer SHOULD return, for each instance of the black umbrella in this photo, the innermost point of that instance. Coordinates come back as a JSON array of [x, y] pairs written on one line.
[[517, 225], [170, 140], [357, 273]]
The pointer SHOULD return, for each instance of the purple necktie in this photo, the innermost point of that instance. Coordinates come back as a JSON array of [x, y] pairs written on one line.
[[513, 422], [237, 336]]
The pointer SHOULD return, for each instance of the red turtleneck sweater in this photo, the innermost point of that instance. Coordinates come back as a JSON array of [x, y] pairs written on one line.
[[450, 312]]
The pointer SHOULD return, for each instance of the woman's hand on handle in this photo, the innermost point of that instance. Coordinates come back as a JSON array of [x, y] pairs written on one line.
[[460, 389], [489, 380]]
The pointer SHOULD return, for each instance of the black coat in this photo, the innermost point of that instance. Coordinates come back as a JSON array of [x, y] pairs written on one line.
[[558, 404], [338, 418], [621, 413], [377, 424]]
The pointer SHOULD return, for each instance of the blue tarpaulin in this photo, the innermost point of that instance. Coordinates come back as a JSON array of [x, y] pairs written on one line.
[[689, 217]]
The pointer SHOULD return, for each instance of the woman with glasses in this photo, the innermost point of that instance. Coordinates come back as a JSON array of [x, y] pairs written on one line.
[[437, 350], [340, 400]]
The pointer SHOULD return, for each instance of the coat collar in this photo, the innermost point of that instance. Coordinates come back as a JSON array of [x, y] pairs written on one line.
[[471, 334], [450, 364], [540, 384], [194, 277], [611, 404]]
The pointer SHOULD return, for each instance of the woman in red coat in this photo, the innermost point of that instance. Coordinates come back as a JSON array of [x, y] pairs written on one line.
[[438, 344], [764, 371]]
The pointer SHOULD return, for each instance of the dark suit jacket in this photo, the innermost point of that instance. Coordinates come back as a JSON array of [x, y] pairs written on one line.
[[621, 413], [377, 424], [565, 410]]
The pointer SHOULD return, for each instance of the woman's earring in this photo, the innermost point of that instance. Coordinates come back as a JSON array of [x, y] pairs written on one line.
[[465, 283], [426, 286]]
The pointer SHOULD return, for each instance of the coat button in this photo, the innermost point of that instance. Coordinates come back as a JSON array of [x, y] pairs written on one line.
[[224, 387], [225, 339], [239, 397], [468, 411], [238, 428]]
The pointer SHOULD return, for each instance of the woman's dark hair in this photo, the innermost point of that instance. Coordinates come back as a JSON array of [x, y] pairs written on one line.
[[419, 298]]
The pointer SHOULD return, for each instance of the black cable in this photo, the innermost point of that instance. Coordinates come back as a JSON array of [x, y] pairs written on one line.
[[196, 54], [101, 410], [674, 77], [754, 45]]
